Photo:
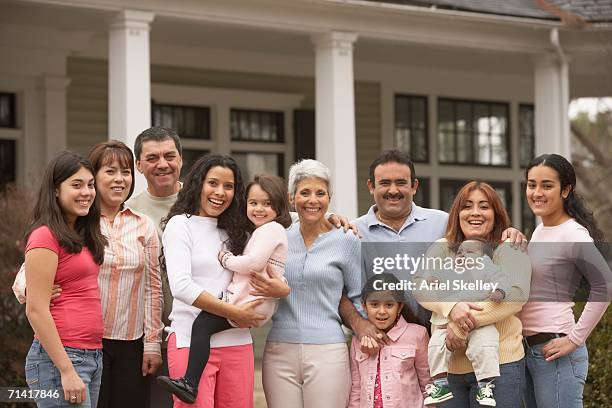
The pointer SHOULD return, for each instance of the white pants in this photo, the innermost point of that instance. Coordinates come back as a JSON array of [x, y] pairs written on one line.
[[482, 351], [306, 375]]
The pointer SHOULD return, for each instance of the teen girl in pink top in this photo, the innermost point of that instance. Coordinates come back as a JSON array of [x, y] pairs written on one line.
[[556, 356], [65, 247]]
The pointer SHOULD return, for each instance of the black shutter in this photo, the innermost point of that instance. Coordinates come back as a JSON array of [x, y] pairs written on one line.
[[304, 134]]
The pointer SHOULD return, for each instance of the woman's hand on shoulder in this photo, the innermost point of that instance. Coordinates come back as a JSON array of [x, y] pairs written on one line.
[[246, 316], [341, 221], [558, 348], [516, 238]]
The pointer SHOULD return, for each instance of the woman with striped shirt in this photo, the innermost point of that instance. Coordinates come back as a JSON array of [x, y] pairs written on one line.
[[129, 281]]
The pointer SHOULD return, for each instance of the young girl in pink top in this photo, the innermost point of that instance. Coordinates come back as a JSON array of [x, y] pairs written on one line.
[[264, 257], [397, 375], [65, 247], [556, 357]]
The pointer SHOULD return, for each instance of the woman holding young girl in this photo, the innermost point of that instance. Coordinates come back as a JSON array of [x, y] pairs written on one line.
[[208, 218], [264, 257], [65, 247], [556, 355]]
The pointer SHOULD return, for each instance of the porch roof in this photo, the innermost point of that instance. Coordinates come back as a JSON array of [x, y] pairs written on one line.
[[592, 11]]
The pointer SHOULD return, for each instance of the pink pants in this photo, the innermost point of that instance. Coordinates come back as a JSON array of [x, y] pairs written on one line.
[[227, 381]]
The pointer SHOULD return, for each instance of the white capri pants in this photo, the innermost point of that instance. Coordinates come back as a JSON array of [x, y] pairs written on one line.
[[306, 375]]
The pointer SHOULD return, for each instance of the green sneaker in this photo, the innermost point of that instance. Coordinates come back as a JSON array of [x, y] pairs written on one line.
[[437, 393], [485, 394]]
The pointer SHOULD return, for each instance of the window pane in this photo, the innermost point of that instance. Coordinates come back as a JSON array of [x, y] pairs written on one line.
[[480, 132], [421, 198], [7, 110], [528, 221], [417, 113], [410, 132], [191, 122], [260, 126], [190, 156], [526, 134], [252, 164], [7, 161]]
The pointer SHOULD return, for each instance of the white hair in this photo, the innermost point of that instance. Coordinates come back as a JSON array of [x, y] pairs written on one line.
[[308, 168]]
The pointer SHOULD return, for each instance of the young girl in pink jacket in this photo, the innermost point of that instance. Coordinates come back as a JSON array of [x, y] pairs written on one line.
[[264, 258], [396, 376]]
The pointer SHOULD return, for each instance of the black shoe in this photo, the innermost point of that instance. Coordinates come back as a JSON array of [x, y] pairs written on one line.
[[181, 387]]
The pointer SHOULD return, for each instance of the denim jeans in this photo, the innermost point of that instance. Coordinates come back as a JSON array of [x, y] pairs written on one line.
[[508, 387], [41, 374], [555, 384]]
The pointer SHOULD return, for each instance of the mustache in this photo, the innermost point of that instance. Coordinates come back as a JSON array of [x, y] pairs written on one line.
[[397, 196]]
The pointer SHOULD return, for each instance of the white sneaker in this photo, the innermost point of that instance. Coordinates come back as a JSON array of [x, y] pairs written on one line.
[[485, 395]]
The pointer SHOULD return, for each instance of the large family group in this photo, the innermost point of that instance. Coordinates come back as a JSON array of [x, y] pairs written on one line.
[[104, 268]]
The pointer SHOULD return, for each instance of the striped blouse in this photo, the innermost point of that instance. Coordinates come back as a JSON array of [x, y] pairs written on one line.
[[129, 280]]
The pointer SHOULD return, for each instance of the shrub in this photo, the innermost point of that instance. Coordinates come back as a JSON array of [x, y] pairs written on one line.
[[16, 336]]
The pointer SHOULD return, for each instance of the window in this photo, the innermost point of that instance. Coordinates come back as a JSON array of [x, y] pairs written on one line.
[[191, 122], [528, 221], [7, 110], [526, 134], [7, 161], [190, 156], [421, 198], [450, 188], [474, 133], [252, 164], [257, 126], [411, 126]]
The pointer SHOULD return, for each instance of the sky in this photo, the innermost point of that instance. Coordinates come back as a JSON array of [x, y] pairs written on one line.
[[590, 105]]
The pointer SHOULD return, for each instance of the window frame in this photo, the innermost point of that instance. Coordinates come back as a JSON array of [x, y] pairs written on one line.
[[205, 108], [507, 134], [280, 124], [425, 99]]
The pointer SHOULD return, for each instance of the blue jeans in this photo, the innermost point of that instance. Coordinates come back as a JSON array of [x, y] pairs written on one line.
[[508, 387], [41, 374], [555, 384]]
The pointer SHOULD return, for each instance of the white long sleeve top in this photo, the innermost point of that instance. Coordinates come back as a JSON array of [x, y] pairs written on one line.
[[191, 245]]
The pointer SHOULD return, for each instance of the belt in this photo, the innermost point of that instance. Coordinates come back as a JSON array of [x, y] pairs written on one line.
[[541, 338]]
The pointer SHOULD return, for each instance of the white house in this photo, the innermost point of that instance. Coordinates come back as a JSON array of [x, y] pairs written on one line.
[[470, 88]]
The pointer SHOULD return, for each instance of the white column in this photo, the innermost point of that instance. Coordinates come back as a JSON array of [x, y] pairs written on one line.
[[335, 116], [129, 79], [53, 92], [552, 129]]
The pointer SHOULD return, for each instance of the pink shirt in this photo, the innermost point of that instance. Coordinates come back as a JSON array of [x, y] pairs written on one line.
[[265, 253], [547, 267], [404, 371], [77, 313]]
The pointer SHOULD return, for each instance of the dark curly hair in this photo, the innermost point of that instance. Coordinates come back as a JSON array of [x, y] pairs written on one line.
[[233, 219]]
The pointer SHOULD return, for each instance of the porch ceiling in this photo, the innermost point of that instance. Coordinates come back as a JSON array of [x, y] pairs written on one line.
[[590, 51]]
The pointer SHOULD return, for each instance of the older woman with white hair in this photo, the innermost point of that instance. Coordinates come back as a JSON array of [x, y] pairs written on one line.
[[306, 360]]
